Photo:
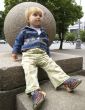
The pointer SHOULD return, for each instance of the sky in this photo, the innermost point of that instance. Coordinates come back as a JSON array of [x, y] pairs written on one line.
[[82, 3], [79, 2], [1, 5]]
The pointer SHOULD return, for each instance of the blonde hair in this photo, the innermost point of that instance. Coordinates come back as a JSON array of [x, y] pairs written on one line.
[[32, 10]]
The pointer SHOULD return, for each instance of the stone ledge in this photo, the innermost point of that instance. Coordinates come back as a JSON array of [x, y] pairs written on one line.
[[7, 97], [12, 75], [7, 62]]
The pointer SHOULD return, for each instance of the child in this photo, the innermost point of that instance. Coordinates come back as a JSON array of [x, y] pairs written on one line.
[[33, 42]]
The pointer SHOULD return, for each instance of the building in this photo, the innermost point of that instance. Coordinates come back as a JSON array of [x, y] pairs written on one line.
[[76, 27]]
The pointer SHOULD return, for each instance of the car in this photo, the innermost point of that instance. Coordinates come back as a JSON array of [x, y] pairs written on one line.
[[2, 41]]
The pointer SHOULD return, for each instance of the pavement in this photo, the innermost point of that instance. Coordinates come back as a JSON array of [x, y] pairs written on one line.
[[66, 45], [70, 48]]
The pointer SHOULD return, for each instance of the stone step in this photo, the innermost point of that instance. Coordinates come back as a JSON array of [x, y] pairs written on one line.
[[12, 74], [12, 80], [56, 100]]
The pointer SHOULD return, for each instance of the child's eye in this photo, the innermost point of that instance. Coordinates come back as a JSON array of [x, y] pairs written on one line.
[[35, 14], [40, 15]]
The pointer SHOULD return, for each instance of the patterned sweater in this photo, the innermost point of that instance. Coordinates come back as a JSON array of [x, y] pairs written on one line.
[[28, 38]]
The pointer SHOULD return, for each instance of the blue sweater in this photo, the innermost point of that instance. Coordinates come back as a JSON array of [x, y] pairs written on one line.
[[28, 38]]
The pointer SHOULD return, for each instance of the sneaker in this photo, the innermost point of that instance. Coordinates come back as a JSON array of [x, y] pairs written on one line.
[[71, 84], [38, 98]]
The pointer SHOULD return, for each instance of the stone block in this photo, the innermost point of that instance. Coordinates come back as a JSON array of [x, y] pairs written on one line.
[[56, 100], [8, 98], [12, 81], [12, 74]]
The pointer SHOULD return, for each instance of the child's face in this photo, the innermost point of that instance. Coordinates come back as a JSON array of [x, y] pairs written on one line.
[[35, 19]]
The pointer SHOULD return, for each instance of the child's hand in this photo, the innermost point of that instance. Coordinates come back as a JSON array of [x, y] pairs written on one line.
[[14, 57]]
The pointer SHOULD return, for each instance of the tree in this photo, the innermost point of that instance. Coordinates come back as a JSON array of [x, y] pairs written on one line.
[[1, 24], [69, 36], [82, 35], [66, 12]]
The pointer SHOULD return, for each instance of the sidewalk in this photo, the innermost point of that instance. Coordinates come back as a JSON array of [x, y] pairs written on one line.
[[79, 52], [66, 45], [70, 48]]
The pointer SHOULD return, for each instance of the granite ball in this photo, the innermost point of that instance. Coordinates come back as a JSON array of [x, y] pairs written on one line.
[[15, 21]]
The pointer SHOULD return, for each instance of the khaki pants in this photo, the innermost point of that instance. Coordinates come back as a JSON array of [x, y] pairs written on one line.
[[34, 57]]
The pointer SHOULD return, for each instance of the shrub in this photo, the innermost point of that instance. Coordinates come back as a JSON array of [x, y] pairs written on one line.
[[70, 36], [82, 35]]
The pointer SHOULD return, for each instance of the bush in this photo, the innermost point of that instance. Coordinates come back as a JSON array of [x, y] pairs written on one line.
[[82, 35], [70, 36]]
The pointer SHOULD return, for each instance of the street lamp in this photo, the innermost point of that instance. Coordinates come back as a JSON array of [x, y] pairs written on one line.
[[78, 41]]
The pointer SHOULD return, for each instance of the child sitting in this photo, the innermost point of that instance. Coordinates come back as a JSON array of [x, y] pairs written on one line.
[[33, 42]]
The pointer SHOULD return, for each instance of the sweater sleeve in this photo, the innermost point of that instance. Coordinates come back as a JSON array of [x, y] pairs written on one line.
[[18, 43]]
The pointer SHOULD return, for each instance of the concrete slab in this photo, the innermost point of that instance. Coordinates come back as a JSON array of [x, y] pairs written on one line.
[[12, 74], [7, 61], [80, 52], [8, 98], [56, 100]]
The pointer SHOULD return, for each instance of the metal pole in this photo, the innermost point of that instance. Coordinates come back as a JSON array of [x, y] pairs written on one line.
[[78, 41]]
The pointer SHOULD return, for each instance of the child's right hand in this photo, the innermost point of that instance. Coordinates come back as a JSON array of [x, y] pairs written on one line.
[[14, 57]]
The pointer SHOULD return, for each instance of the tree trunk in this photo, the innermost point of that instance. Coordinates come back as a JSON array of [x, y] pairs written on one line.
[[61, 36], [61, 44]]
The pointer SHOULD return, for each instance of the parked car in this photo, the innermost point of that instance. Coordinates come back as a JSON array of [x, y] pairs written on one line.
[[2, 41]]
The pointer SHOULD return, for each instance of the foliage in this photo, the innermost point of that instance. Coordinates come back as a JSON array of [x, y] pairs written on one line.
[[70, 36], [1, 24], [82, 35], [66, 12]]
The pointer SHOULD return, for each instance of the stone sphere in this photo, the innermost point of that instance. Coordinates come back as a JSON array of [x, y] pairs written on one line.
[[15, 20]]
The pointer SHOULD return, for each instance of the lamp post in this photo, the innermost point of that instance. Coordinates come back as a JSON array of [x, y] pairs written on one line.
[[78, 41]]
